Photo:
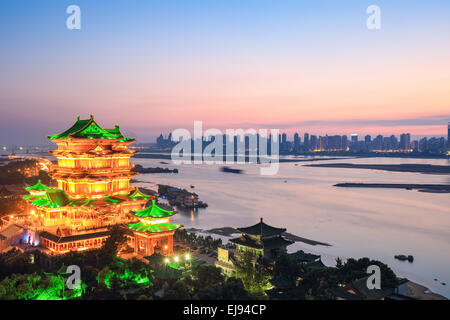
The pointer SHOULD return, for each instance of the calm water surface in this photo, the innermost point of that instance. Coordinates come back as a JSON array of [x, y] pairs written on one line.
[[377, 223]]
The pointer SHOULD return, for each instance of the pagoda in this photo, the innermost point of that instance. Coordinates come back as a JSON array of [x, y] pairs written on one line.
[[38, 189], [93, 193], [153, 231], [262, 240]]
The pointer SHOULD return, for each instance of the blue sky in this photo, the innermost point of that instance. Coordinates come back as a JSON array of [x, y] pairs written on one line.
[[154, 66]]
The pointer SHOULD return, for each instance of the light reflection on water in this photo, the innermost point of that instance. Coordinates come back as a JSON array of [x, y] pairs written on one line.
[[378, 223]]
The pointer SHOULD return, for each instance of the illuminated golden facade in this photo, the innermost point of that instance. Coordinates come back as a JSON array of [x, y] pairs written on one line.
[[93, 173], [94, 164]]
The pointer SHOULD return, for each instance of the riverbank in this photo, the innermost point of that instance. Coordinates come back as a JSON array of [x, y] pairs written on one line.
[[416, 168], [431, 188]]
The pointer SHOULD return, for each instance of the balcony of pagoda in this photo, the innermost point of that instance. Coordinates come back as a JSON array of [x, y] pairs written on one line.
[[79, 171], [86, 145], [98, 194]]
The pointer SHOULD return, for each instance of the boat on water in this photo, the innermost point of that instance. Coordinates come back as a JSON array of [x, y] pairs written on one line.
[[403, 257], [230, 170]]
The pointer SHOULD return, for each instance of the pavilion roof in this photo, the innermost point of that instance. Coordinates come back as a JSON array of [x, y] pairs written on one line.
[[138, 195], [52, 199], [360, 285], [276, 242], [154, 211], [58, 198], [154, 228], [261, 229], [88, 202], [312, 265], [89, 129], [303, 256], [38, 187]]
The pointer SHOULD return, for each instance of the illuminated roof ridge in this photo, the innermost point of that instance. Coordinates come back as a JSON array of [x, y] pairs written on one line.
[[52, 199], [261, 229], [90, 129], [38, 186], [154, 211], [139, 195]]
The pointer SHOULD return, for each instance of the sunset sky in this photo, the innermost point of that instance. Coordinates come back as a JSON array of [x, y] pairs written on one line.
[[154, 66]]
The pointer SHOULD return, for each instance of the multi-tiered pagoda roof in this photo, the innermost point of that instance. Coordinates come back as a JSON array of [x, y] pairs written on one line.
[[38, 189], [89, 129], [261, 230], [154, 219]]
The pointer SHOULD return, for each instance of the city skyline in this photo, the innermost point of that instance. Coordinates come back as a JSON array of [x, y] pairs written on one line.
[[289, 134], [278, 65]]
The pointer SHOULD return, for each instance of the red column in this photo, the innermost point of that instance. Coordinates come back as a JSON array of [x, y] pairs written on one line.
[[136, 243], [151, 248], [170, 244]]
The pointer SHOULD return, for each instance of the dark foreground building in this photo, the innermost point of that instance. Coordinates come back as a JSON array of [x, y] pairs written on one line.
[[262, 240]]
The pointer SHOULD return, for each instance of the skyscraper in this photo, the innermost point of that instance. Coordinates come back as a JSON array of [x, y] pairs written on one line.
[[297, 142], [306, 141], [448, 135]]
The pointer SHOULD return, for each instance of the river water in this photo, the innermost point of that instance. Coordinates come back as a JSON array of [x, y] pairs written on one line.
[[357, 222]]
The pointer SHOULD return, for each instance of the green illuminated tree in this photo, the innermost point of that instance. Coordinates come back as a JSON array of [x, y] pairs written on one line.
[[254, 276]]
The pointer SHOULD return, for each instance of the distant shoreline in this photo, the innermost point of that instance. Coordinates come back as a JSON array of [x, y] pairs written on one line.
[[415, 168], [431, 188]]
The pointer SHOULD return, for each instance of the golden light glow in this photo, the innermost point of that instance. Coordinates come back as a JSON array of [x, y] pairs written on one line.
[[151, 222]]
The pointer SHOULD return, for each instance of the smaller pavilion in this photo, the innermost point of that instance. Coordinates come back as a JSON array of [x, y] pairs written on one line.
[[38, 189], [153, 231], [262, 240]]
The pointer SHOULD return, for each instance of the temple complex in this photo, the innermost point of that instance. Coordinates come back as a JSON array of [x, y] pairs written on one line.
[[93, 193]]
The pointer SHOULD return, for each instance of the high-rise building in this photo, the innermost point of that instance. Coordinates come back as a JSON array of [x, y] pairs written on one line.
[[393, 143], [405, 141], [423, 145], [367, 142], [334, 143], [448, 135], [377, 143], [344, 142], [306, 141], [297, 142], [313, 143]]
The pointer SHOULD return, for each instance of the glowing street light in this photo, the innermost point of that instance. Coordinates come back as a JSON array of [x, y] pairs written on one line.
[[176, 259], [166, 260], [188, 256]]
